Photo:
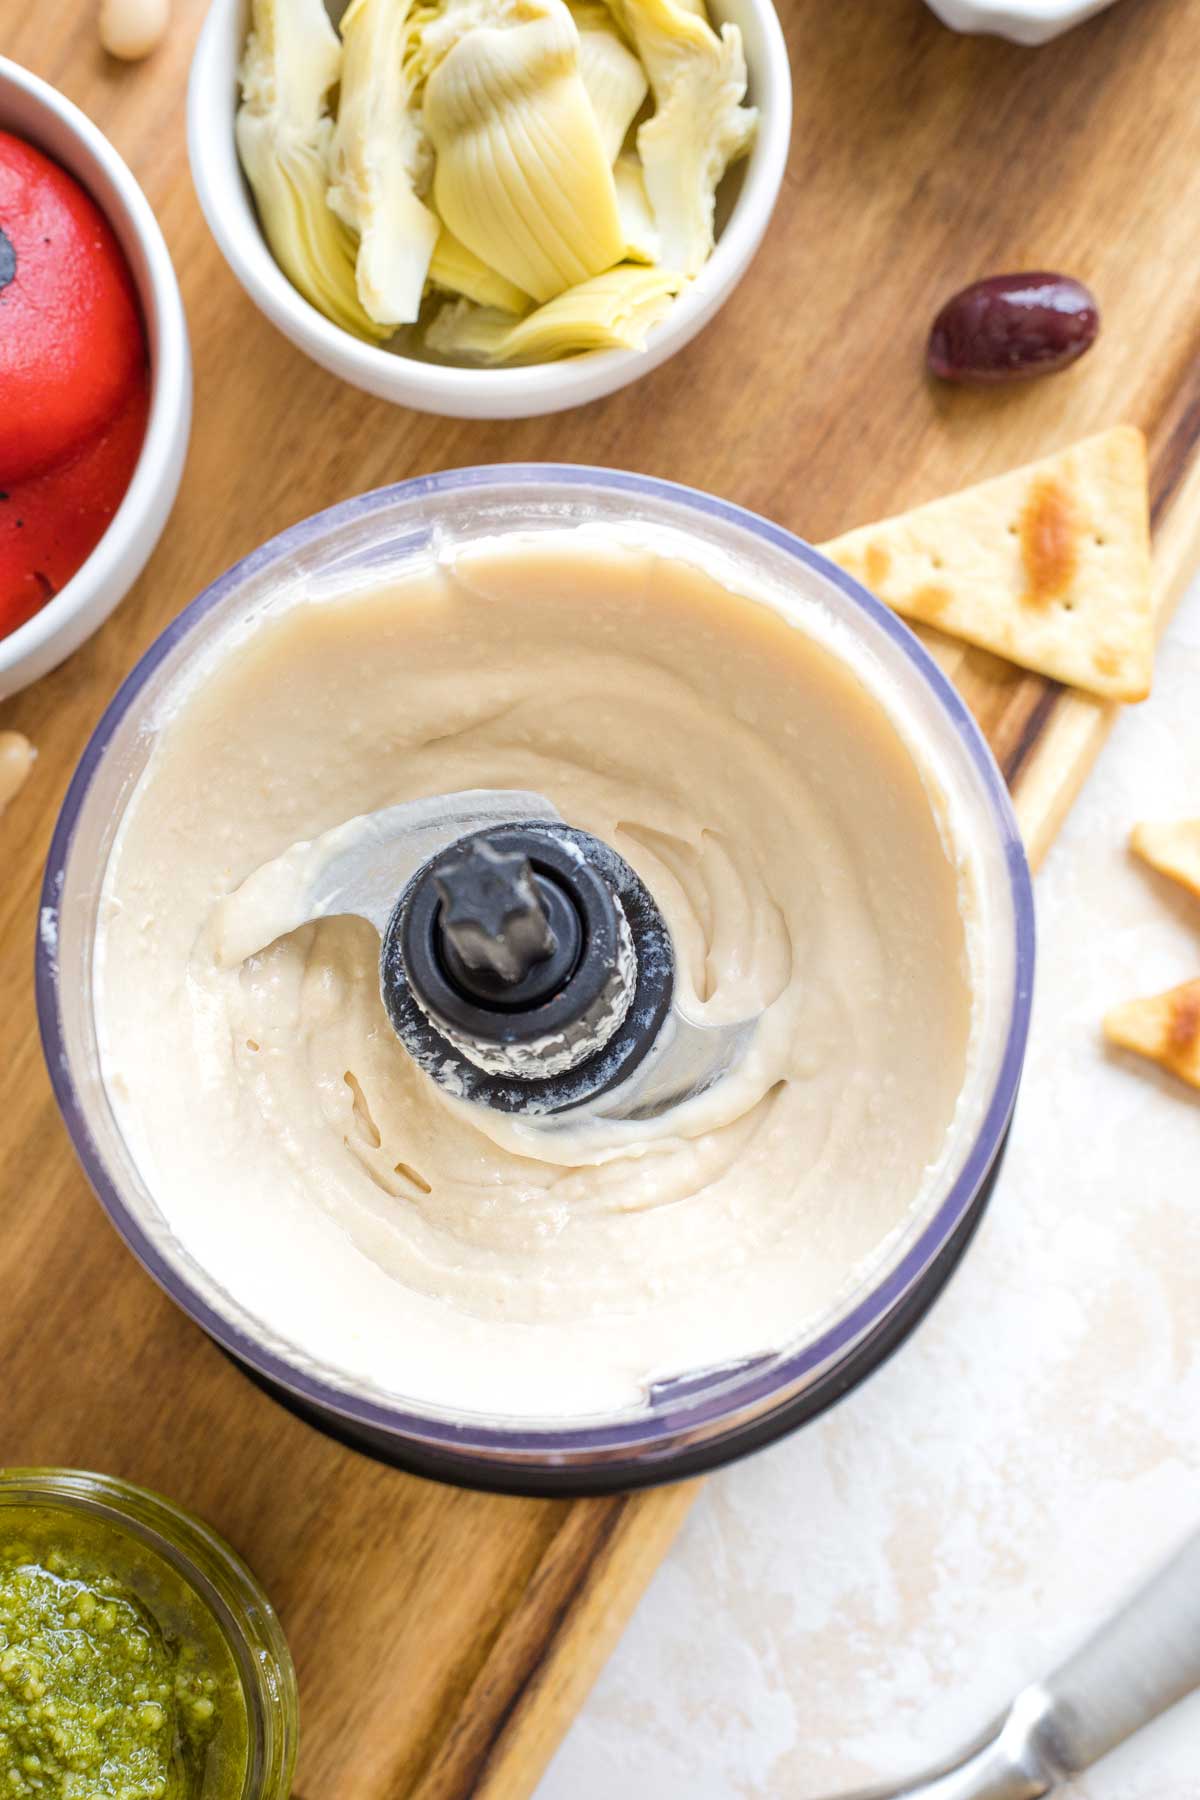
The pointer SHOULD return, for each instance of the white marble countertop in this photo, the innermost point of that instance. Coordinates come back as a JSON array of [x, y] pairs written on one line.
[[859, 1600]]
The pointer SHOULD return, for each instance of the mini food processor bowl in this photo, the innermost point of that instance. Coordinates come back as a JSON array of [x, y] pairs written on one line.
[[33, 110], [216, 1576], [688, 1424], [750, 191]]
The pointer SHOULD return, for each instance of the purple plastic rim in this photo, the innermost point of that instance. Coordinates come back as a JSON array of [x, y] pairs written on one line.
[[692, 1418]]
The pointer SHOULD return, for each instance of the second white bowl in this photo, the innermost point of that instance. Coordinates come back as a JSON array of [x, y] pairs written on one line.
[[464, 392], [32, 109], [1024, 21]]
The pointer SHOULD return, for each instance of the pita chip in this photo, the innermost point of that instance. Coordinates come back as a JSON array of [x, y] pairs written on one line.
[[1048, 565], [1172, 849], [1165, 1028]]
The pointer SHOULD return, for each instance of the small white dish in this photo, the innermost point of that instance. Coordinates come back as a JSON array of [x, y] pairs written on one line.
[[32, 109], [464, 392], [1023, 21]]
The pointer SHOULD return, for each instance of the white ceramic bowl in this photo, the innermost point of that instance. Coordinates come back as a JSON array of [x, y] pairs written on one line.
[[463, 392], [1024, 21], [32, 109]]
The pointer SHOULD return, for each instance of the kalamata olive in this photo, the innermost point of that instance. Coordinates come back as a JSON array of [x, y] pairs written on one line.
[[1012, 327]]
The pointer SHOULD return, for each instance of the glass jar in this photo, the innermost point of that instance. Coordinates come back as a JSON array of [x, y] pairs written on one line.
[[159, 1532]]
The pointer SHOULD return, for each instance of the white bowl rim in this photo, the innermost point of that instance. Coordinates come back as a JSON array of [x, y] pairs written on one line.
[[494, 393], [1035, 20], [156, 475]]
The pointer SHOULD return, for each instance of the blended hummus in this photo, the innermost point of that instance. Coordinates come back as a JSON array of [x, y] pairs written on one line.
[[404, 1243]]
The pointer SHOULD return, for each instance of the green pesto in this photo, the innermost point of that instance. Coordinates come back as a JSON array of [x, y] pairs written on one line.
[[116, 1682]]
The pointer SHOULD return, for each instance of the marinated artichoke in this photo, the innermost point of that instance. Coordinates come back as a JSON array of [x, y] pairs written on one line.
[[496, 181], [521, 177], [699, 124], [613, 311], [284, 135], [380, 158]]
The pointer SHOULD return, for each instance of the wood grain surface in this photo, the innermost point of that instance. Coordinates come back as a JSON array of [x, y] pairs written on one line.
[[444, 1639]]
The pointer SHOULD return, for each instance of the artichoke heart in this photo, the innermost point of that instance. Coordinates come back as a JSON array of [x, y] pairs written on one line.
[[293, 57], [379, 157], [521, 177], [495, 151], [460, 271], [642, 242], [435, 26], [284, 138], [612, 75], [699, 124], [613, 311]]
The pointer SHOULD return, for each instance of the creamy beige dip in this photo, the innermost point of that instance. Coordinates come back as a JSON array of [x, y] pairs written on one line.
[[414, 1245]]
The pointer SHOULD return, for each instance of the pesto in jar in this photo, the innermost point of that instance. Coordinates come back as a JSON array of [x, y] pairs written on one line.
[[116, 1681]]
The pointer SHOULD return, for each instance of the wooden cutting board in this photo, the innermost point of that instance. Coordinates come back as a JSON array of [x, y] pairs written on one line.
[[445, 1639]]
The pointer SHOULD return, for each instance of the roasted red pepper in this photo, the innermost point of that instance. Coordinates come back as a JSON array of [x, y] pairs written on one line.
[[74, 383]]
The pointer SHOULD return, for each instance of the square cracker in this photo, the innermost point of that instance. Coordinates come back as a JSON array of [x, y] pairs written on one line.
[[1172, 849], [1048, 565], [1165, 1028]]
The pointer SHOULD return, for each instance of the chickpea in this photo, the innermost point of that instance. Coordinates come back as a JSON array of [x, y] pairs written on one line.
[[16, 760], [131, 29]]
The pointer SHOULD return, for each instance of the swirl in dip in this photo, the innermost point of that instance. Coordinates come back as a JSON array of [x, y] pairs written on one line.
[[801, 851]]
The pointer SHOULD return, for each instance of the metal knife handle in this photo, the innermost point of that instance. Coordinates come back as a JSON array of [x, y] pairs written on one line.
[[1142, 1662]]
